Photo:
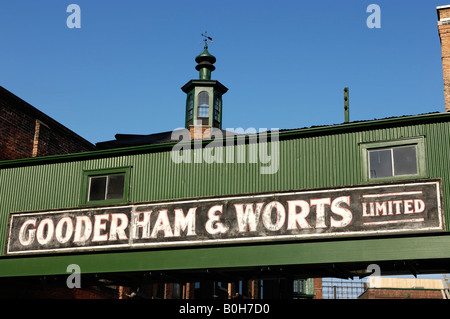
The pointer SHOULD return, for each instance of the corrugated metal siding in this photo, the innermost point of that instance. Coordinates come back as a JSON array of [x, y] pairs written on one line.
[[309, 162]]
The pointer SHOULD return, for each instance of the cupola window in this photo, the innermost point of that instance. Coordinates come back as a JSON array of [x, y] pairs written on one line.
[[216, 108], [203, 104], [190, 107]]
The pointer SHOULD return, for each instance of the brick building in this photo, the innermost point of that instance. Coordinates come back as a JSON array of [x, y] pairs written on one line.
[[404, 288], [443, 13], [401, 293], [27, 132]]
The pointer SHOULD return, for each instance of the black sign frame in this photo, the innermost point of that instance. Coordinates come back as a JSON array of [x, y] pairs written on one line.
[[362, 210]]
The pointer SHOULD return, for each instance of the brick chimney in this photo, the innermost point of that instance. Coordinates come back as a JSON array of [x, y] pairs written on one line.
[[443, 13]]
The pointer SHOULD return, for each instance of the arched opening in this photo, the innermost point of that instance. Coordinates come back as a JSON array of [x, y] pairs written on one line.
[[203, 107]]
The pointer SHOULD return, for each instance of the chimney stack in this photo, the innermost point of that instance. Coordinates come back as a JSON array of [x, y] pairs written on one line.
[[443, 13]]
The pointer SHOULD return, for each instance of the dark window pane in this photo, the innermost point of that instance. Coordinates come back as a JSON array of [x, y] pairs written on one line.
[[97, 188], [203, 98], [405, 161], [203, 104], [203, 121], [190, 107], [191, 102], [115, 186], [380, 163], [216, 109]]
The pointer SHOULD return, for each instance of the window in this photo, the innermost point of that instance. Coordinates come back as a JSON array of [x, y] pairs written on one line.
[[203, 104], [106, 186], [394, 159], [190, 107], [216, 108]]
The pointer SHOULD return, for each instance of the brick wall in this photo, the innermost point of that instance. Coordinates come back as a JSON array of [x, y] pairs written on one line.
[[318, 288], [200, 132], [444, 34], [27, 132], [391, 293], [33, 292]]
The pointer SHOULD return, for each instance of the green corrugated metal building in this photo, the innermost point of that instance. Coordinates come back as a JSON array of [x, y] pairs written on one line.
[[138, 170]]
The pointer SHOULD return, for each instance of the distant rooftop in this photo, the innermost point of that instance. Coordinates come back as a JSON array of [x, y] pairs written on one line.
[[129, 140]]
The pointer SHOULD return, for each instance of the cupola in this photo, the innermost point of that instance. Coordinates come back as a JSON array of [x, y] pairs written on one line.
[[204, 96]]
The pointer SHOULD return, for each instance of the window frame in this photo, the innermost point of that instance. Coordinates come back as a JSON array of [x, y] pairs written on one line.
[[190, 107], [201, 107], [419, 142], [87, 174], [216, 108]]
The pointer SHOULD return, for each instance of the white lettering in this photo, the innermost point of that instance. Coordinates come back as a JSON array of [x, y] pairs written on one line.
[[213, 226], [419, 206], [280, 216], [26, 236], [320, 210], [364, 212], [83, 229], [162, 224], [99, 226], [380, 208], [144, 224], [182, 222], [248, 217], [345, 213], [409, 206], [119, 222], [295, 218], [397, 207], [67, 221], [45, 231], [397, 204]]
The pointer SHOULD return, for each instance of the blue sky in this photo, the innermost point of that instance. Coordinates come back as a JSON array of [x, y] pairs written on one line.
[[285, 62]]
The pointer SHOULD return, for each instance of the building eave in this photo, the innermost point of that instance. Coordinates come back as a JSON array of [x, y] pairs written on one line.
[[283, 134], [211, 83]]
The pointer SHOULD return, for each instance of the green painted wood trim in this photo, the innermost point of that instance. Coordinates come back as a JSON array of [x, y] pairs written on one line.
[[108, 171], [342, 251], [187, 118]]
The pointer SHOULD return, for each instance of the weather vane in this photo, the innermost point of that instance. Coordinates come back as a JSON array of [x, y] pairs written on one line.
[[206, 38]]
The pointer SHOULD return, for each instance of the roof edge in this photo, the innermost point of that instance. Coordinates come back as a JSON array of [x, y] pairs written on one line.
[[288, 133], [42, 116]]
